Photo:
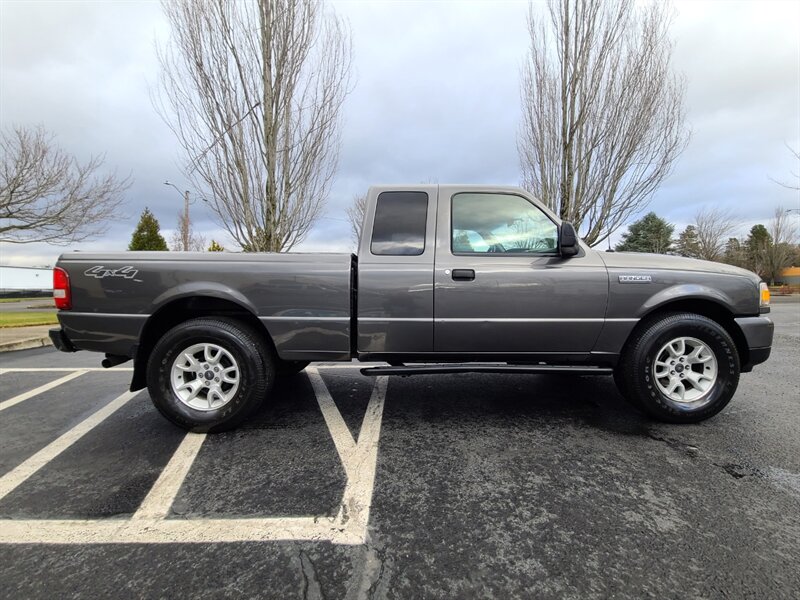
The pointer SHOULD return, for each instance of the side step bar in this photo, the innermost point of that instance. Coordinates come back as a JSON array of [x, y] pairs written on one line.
[[441, 369]]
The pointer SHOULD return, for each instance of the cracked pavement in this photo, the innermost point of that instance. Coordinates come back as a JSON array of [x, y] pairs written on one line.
[[486, 486]]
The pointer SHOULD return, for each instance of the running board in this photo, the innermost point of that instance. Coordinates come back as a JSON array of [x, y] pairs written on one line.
[[442, 369]]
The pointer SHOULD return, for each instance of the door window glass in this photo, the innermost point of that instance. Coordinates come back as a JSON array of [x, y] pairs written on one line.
[[500, 223]]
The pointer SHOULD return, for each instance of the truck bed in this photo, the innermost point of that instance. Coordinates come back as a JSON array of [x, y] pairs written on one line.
[[303, 300]]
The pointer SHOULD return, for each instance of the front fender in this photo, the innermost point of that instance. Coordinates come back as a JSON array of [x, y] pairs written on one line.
[[689, 291]]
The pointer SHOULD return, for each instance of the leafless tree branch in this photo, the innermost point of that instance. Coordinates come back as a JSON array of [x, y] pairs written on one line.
[[713, 226], [603, 116], [778, 255], [46, 195], [355, 214], [796, 184], [185, 238], [254, 90]]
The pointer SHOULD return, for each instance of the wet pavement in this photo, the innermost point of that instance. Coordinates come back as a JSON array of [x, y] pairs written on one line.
[[484, 486]]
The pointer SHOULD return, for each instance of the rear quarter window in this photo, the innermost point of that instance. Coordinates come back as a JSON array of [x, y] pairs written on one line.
[[399, 227]]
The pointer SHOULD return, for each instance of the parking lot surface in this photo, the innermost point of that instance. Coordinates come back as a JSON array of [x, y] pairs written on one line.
[[450, 486]]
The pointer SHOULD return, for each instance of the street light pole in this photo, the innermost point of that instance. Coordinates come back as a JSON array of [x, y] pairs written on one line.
[[185, 224]]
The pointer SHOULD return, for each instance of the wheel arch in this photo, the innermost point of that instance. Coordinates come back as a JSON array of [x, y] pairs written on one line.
[[710, 308], [180, 309]]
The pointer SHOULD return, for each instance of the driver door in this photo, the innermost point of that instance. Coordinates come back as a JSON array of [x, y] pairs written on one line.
[[500, 286]]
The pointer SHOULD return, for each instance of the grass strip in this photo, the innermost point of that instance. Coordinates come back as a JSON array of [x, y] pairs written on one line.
[[15, 299], [26, 319]]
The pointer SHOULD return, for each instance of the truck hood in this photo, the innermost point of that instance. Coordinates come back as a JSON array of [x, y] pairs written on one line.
[[641, 260]]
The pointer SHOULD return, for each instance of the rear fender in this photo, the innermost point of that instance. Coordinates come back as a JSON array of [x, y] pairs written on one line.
[[202, 288]]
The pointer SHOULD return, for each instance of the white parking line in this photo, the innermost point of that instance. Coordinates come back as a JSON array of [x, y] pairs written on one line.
[[357, 498], [172, 531], [158, 502], [63, 369], [16, 477], [150, 525], [42, 388], [342, 438]]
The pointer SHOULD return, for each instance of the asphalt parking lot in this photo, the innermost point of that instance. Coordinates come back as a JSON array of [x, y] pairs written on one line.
[[449, 486]]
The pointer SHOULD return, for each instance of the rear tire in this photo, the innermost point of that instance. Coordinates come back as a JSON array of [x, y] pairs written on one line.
[[209, 374], [680, 368]]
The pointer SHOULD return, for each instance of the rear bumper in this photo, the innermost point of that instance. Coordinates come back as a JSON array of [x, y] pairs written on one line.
[[758, 332], [61, 341]]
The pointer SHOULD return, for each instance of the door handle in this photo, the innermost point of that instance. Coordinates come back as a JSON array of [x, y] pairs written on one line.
[[463, 274]]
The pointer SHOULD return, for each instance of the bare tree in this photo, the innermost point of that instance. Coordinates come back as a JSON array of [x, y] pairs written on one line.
[[781, 252], [185, 238], [355, 214], [795, 185], [603, 115], [253, 90], [713, 227], [46, 195]]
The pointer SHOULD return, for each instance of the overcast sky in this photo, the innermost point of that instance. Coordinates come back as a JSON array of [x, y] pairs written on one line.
[[436, 98]]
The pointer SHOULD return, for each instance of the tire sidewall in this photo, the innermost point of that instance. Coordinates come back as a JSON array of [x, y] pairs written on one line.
[[251, 374], [719, 342]]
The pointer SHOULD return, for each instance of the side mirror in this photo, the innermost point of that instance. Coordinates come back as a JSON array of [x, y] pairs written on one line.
[[567, 240]]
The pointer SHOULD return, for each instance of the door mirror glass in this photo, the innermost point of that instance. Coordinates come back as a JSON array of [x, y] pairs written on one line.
[[568, 240]]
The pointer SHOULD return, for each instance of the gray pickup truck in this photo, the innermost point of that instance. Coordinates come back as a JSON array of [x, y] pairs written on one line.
[[448, 279]]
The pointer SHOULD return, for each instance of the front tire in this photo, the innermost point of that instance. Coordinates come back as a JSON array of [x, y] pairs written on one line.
[[209, 374], [680, 368]]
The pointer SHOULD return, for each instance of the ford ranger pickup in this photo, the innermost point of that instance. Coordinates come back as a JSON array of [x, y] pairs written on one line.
[[448, 279]]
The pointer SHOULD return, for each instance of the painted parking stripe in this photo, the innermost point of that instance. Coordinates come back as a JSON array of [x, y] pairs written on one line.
[[342, 438], [171, 531], [159, 500], [16, 477], [149, 525], [40, 390], [63, 369], [357, 497]]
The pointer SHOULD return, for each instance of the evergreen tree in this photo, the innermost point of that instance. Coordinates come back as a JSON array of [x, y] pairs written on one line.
[[687, 243], [651, 233], [735, 253], [757, 248], [215, 247], [147, 235]]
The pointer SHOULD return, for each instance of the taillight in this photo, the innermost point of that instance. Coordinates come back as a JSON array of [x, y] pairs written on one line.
[[61, 291]]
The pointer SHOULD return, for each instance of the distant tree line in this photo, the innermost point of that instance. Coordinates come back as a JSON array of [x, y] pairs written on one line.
[[767, 250]]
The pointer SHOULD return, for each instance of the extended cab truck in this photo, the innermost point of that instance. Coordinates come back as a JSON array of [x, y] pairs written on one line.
[[448, 278]]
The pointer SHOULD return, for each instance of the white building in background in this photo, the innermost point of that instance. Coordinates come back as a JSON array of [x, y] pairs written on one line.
[[14, 280]]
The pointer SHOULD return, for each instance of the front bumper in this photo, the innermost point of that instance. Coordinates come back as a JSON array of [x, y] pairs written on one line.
[[61, 341], [758, 332]]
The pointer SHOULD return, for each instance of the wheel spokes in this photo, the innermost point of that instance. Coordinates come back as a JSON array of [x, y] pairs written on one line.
[[190, 384], [677, 348], [699, 380], [661, 368], [190, 363], [230, 375], [193, 387], [212, 354], [675, 374]]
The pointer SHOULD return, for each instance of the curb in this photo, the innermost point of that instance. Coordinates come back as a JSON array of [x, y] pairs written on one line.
[[36, 342]]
